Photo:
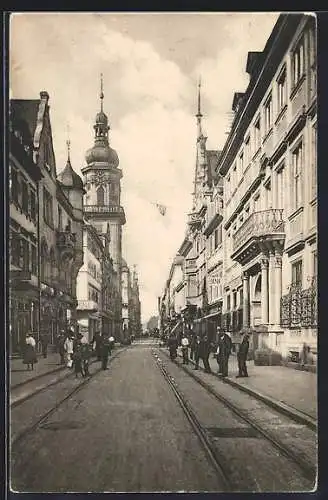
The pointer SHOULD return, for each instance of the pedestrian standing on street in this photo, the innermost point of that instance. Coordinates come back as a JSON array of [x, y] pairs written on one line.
[[203, 350], [29, 357], [185, 346], [206, 350], [192, 346], [197, 351], [86, 355], [44, 344], [225, 346], [242, 356], [172, 345], [68, 346], [111, 344], [96, 341], [61, 348], [105, 349], [77, 359]]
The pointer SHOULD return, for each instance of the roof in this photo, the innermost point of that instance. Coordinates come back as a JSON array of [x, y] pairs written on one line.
[[237, 97], [23, 116], [262, 72], [252, 60], [69, 178]]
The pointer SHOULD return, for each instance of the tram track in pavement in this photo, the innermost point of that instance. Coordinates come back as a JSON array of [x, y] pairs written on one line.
[[197, 427], [307, 469], [44, 417]]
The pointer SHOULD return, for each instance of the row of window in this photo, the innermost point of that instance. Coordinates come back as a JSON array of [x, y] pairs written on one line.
[[277, 198], [235, 299], [260, 130], [113, 197], [22, 194]]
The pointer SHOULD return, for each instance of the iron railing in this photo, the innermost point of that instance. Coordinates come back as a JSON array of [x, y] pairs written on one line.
[[298, 308], [103, 209]]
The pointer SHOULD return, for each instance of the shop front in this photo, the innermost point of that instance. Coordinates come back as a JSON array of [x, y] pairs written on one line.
[[24, 317]]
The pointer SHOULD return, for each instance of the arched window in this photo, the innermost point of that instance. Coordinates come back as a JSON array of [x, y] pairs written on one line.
[[100, 196]]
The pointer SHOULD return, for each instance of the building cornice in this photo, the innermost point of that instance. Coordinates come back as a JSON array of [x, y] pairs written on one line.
[[279, 41]]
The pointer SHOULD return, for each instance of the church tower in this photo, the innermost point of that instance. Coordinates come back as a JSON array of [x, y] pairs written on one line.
[[201, 180], [101, 180]]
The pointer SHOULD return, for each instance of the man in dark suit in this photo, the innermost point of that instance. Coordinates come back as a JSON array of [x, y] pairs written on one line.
[[242, 356], [225, 346], [203, 350]]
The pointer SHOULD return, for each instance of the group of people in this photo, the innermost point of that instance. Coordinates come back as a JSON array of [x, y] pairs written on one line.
[[74, 351], [201, 348]]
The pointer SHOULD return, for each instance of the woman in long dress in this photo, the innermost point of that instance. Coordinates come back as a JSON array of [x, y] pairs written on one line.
[[29, 357]]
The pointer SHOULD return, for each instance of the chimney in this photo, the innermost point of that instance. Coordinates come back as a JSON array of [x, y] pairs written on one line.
[[44, 96], [252, 60]]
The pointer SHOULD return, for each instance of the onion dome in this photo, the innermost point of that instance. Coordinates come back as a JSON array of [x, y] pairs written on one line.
[[101, 151], [68, 177]]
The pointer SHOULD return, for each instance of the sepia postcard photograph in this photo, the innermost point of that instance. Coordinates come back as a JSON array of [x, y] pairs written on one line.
[[162, 252]]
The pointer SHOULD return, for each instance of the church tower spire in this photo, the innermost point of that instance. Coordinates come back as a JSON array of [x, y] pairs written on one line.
[[101, 92], [68, 144], [201, 168], [199, 115], [101, 126]]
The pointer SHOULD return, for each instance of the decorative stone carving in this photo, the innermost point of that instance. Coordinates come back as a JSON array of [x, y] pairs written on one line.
[[99, 178], [278, 261]]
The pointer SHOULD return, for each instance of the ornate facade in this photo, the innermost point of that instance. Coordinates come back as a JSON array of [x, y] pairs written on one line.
[[101, 180], [250, 250], [97, 290], [270, 200], [24, 178], [59, 221]]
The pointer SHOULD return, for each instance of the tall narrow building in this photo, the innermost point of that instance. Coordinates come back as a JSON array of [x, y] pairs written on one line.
[[101, 178]]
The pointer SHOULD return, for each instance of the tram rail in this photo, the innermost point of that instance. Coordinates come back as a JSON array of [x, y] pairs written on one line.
[[43, 418], [307, 469]]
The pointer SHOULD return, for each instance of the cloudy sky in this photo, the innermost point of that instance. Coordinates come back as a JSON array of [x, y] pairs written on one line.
[[151, 64]]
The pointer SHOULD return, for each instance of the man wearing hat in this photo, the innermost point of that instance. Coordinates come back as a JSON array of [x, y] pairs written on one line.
[[242, 356], [223, 352]]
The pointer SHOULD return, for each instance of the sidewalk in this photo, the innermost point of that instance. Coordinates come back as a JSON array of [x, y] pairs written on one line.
[[294, 388], [19, 373]]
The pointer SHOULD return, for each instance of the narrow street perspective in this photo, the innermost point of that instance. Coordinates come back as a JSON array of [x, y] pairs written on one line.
[[162, 332]]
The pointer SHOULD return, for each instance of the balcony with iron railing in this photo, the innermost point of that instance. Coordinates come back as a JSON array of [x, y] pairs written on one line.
[[266, 225]]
